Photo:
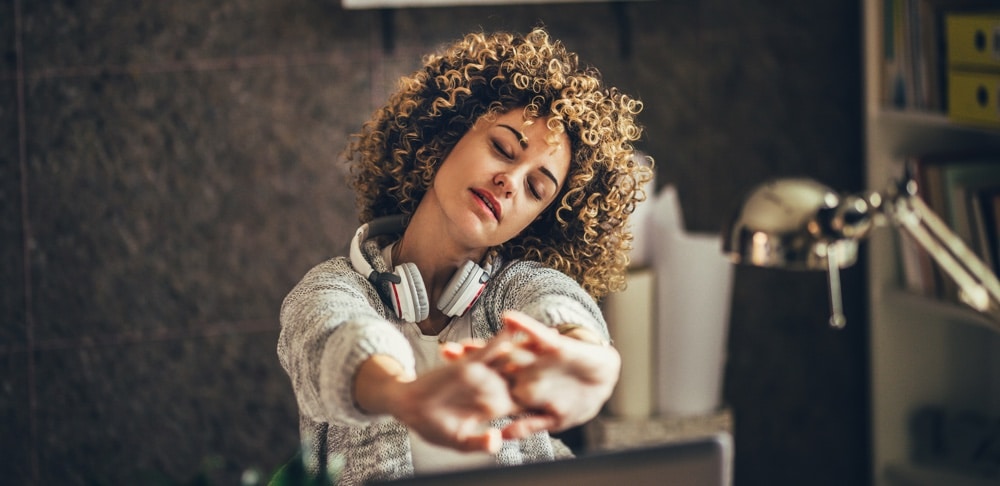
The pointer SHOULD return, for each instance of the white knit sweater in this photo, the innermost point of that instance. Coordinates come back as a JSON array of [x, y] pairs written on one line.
[[334, 319]]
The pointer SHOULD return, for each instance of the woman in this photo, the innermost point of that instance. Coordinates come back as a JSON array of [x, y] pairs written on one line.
[[496, 183]]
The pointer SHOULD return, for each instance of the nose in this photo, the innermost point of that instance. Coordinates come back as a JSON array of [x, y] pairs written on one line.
[[506, 182]]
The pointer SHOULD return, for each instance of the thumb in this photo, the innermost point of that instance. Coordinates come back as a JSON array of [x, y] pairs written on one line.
[[489, 440]]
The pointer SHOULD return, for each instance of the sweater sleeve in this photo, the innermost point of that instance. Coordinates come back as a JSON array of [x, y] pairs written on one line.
[[546, 294], [331, 322]]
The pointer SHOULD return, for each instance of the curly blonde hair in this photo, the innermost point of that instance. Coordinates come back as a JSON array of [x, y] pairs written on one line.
[[584, 232]]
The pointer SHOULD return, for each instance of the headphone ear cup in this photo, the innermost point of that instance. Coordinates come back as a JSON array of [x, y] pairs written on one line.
[[410, 299], [463, 289]]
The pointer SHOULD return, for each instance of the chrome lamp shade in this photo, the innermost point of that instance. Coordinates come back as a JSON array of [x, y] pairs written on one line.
[[789, 223]]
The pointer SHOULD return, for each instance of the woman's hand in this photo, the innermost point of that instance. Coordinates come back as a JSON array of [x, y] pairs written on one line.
[[450, 405], [563, 381]]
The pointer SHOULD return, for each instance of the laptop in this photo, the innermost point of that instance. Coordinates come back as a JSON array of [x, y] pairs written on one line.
[[706, 461]]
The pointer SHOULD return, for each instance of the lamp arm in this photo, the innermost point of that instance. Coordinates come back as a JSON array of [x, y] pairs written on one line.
[[978, 285]]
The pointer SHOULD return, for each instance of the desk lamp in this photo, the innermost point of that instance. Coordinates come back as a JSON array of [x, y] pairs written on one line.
[[798, 223]]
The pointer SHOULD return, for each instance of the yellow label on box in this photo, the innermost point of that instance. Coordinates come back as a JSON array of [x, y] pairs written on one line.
[[973, 97], [973, 40]]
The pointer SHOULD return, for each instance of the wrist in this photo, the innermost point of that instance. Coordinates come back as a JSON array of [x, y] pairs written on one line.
[[581, 333], [377, 384]]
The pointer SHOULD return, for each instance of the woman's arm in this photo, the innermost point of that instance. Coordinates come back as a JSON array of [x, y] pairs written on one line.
[[330, 325]]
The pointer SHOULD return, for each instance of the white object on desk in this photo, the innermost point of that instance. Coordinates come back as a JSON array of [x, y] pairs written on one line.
[[631, 320], [693, 287]]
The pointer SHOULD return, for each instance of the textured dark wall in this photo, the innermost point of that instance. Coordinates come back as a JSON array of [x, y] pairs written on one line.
[[167, 173]]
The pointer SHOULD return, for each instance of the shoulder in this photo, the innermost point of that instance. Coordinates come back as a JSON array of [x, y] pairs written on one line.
[[334, 268], [517, 282], [331, 277], [524, 272]]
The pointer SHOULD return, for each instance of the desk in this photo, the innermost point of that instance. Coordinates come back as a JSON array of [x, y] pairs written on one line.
[[606, 433]]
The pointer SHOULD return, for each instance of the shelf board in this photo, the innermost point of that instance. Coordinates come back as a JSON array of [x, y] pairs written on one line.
[[912, 475], [915, 117], [930, 119], [941, 309], [934, 120], [910, 131]]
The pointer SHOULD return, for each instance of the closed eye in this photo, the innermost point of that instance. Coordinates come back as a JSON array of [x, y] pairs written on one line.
[[502, 150], [534, 191]]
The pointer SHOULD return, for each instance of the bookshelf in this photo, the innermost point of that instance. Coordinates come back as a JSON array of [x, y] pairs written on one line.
[[923, 351]]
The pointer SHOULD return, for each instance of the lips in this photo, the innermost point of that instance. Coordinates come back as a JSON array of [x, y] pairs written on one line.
[[490, 202]]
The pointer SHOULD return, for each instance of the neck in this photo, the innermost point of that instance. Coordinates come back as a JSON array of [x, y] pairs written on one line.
[[435, 323], [425, 244], [437, 256]]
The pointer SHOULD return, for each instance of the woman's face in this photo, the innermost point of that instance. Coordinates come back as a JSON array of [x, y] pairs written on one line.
[[499, 177]]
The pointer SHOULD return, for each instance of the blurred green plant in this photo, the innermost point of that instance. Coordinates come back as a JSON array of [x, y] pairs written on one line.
[[294, 473]]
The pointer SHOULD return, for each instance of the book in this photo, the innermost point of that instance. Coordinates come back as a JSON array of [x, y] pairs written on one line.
[[961, 182], [916, 267], [995, 205], [981, 207], [973, 40], [974, 97], [974, 219]]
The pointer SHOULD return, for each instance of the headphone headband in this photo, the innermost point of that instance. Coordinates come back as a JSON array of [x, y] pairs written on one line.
[[379, 226]]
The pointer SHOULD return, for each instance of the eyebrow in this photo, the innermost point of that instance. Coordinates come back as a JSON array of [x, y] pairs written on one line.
[[547, 172], [523, 141]]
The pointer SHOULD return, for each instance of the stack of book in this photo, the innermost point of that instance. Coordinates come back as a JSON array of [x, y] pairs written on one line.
[[963, 188], [917, 45], [973, 54]]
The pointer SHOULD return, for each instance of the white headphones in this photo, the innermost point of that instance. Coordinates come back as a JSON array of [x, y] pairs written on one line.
[[405, 285]]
